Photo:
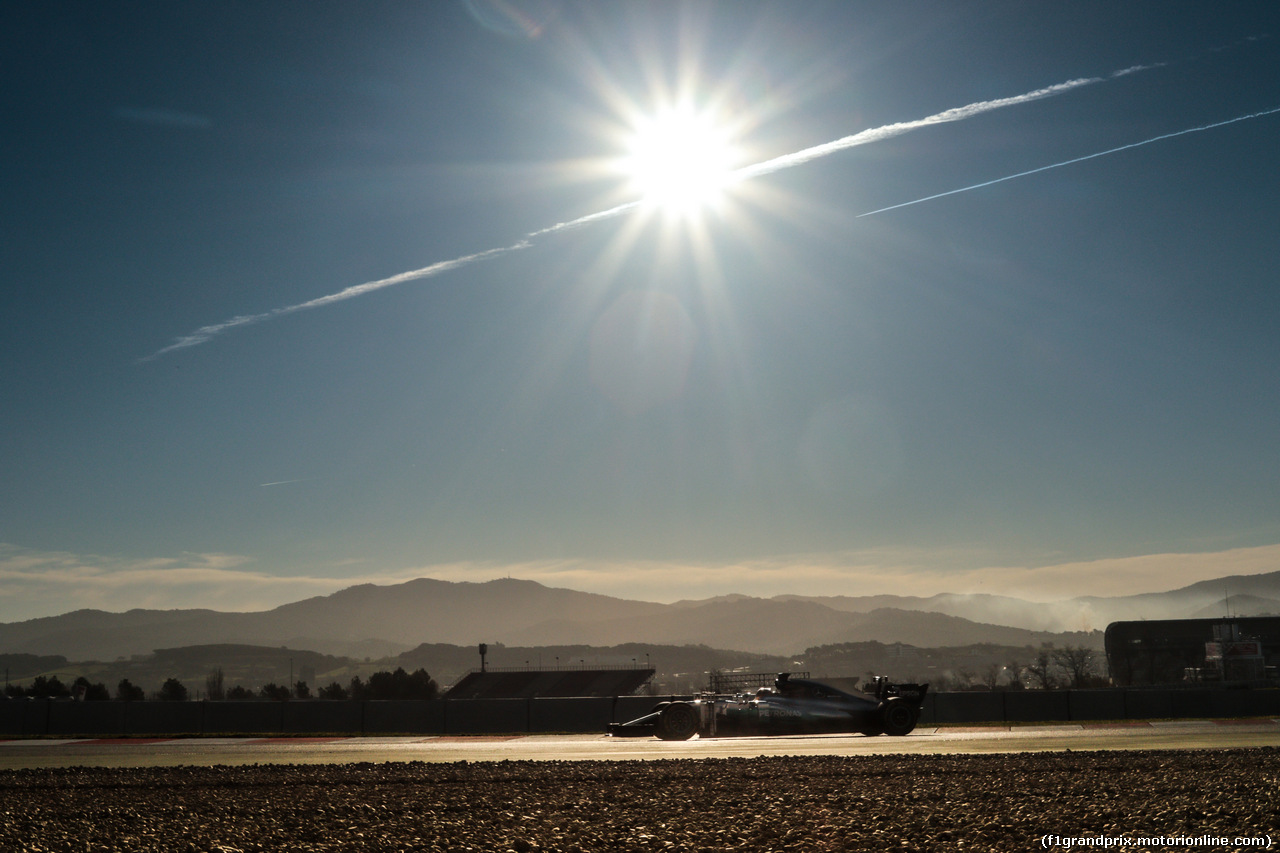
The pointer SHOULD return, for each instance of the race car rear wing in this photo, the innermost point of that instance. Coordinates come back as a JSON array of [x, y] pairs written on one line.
[[884, 689]]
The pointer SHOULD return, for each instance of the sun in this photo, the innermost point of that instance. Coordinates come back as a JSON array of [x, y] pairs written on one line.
[[679, 161]]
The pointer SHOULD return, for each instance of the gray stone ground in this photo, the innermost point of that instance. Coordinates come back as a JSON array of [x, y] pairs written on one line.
[[918, 802]]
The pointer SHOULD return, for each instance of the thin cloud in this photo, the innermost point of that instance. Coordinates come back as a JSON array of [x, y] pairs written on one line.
[[35, 584], [786, 161], [46, 583], [879, 571]]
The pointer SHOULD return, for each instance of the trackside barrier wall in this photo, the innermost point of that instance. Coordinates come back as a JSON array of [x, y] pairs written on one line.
[[1030, 706], [1245, 703], [570, 715], [162, 718], [928, 710], [233, 717], [629, 708], [1148, 704], [404, 716], [80, 717], [39, 718], [968, 707], [1084, 705], [1194, 704], [29, 718], [486, 716], [320, 717]]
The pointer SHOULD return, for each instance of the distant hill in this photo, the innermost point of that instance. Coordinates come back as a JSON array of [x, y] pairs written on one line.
[[1240, 605], [369, 621], [360, 621], [991, 609], [1244, 595], [781, 627], [19, 666]]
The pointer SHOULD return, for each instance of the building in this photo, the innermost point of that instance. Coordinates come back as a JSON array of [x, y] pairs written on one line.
[[1168, 651]]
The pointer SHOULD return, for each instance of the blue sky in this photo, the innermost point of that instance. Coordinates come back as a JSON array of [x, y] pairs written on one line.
[[1064, 383]]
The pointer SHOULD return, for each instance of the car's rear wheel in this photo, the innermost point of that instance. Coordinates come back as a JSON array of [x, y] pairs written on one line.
[[678, 721], [898, 718]]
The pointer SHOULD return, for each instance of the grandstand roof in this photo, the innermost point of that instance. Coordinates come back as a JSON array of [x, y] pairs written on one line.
[[526, 683]]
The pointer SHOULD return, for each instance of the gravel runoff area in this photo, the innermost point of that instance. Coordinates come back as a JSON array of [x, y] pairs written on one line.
[[1163, 800]]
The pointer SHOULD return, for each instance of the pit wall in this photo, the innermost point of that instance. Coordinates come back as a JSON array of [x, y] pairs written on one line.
[[45, 718]]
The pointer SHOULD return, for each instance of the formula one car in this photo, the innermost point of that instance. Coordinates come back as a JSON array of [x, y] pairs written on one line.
[[791, 706]]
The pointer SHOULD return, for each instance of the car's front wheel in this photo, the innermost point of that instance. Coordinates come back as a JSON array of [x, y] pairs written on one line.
[[678, 721]]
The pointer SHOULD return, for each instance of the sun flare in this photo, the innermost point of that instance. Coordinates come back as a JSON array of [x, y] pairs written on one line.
[[679, 161]]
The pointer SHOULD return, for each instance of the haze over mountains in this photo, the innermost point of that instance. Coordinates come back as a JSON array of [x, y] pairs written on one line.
[[371, 621]]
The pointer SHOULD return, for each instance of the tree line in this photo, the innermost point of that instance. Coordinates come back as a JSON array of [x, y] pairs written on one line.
[[1050, 668], [381, 685]]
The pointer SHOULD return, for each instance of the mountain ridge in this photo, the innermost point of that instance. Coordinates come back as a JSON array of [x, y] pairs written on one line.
[[398, 617]]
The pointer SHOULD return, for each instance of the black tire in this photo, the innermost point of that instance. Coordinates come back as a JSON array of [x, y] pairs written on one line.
[[897, 718], [678, 721]]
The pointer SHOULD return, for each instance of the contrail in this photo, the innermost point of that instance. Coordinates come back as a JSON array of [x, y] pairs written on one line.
[[204, 333], [875, 134], [786, 161], [1176, 133]]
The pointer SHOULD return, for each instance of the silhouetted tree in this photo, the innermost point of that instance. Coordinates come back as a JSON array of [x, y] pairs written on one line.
[[48, 688], [173, 690], [333, 691], [1041, 669], [401, 685], [127, 691], [82, 689], [384, 685], [213, 685], [301, 690], [240, 693], [274, 691], [394, 685], [1079, 664]]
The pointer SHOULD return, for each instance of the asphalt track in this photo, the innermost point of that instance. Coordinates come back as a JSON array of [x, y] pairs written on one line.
[[172, 752]]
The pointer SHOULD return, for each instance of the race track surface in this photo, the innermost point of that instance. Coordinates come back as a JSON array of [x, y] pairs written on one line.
[[207, 752]]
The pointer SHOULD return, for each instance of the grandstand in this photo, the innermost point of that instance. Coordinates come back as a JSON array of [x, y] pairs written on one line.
[[529, 683]]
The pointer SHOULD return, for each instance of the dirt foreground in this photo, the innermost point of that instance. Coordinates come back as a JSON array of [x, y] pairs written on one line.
[[1161, 800]]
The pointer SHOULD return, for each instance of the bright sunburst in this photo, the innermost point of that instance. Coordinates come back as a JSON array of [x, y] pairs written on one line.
[[679, 161]]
